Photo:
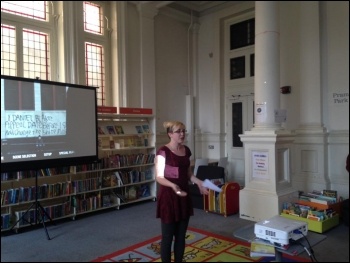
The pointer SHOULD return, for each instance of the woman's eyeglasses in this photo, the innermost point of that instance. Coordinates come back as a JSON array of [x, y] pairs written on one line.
[[180, 131]]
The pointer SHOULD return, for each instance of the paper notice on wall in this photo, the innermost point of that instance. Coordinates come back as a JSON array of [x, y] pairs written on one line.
[[260, 162], [280, 116], [260, 112]]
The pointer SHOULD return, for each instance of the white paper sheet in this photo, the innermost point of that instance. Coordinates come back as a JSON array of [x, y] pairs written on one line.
[[210, 185]]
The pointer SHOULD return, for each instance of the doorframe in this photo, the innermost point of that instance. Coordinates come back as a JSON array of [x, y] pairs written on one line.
[[235, 155]]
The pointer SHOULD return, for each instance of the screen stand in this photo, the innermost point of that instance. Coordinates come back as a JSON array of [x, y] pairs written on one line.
[[40, 213]]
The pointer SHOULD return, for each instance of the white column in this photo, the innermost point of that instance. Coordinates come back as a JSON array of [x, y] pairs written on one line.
[[267, 66], [267, 147]]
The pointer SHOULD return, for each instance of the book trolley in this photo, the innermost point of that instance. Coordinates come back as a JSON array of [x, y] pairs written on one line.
[[318, 210], [226, 202]]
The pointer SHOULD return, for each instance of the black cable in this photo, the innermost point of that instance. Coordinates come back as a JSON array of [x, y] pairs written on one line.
[[311, 253]]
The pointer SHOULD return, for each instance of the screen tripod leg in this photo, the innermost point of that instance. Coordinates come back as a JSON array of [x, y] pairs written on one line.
[[42, 213], [23, 217]]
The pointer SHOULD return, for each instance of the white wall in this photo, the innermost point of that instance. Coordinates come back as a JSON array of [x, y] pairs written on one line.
[[171, 49], [171, 67]]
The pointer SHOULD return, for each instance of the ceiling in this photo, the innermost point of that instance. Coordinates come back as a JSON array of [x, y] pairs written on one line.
[[198, 8]]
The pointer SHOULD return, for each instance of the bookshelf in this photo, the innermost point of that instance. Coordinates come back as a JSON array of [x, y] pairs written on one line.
[[127, 151], [124, 174]]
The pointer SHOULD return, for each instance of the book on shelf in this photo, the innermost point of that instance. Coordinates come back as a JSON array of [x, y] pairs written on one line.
[[262, 248], [218, 181], [116, 173], [144, 191], [121, 143], [101, 130], [330, 193], [132, 193], [312, 217], [145, 128], [119, 129], [139, 129], [320, 199], [110, 129]]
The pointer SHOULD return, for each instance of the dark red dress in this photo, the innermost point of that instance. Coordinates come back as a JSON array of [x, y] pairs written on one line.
[[171, 207]]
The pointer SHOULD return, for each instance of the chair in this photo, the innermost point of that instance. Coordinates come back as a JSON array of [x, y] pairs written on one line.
[[198, 162], [204, 172]]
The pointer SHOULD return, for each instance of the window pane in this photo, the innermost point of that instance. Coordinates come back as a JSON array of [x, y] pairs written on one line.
[[36, 54], [94, 64], [237, 124], [252, 63], [237, 67], [92, 18], [8, 50], [242, 34], [31, 9]]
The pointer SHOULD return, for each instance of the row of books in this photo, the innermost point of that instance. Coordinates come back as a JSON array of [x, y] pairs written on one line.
[[133, 176], [118, 129], [132, 192], [89, 184], [25, 194], [325, 197], [5, 221], [33, 173], [113, 161], [308, 212], [30, 216], [119, 160], [215, 199], [49, 171], [86, 203]]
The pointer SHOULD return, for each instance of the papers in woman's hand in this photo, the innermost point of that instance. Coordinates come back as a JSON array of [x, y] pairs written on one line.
[[210, 185]]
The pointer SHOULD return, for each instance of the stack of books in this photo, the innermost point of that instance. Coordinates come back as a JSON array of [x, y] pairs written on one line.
[[262, 248], [325, 197]]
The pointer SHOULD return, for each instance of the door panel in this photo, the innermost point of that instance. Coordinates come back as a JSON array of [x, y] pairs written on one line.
[[240, 118]]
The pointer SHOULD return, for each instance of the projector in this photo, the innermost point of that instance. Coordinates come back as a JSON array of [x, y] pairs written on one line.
[[280, 230]]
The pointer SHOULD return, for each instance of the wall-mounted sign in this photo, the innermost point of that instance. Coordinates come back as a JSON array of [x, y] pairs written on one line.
[[260, 162]]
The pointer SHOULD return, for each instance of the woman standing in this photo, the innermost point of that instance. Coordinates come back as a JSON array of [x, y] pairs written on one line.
[[174, 206]]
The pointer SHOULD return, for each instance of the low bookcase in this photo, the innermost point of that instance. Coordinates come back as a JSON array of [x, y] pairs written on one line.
[[226, 202]]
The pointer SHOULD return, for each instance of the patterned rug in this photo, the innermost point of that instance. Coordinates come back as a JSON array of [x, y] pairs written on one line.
[[201, 246]]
